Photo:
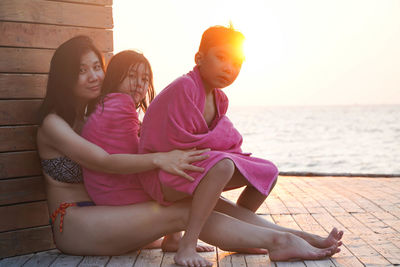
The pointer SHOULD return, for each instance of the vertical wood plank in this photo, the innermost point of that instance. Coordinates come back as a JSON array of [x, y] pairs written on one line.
[[14, 86], [17, 138], [26, 241], [29, 35], [24, 216], [59, 13]]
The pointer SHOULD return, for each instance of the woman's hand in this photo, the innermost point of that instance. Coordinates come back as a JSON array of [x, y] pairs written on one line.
[[178, 161]]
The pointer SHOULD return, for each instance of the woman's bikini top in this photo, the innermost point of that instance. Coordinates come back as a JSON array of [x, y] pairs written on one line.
[[63, 169]]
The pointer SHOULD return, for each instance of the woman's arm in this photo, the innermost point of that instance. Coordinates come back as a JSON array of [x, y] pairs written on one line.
[[59, 135]]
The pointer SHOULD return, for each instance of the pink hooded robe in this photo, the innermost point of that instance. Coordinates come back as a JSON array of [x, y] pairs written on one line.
[[175, 120]]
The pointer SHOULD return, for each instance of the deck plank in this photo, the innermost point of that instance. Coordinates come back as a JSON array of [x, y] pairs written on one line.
[[367, 209], [15, 261], [320, 263], [168, 260], [66, 261], [290, 264], [94, 261], [258, 261], [126, 260], [42, 258], [149, 257]]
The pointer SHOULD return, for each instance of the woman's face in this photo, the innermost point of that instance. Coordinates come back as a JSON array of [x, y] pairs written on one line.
[[136, 82], [90, 77]]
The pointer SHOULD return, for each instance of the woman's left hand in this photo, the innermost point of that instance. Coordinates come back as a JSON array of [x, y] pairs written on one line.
[[178, 161]]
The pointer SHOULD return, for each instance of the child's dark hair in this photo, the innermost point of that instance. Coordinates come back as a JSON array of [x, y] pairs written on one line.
[[63, 77], [117, 70], [219, 35]]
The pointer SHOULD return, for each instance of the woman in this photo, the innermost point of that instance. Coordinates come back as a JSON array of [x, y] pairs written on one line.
[[75, 78]]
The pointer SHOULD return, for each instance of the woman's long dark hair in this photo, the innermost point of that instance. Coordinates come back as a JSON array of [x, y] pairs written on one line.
[[63, 77], [117, 70]]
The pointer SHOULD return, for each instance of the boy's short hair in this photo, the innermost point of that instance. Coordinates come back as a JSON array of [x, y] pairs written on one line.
[[220, 35]]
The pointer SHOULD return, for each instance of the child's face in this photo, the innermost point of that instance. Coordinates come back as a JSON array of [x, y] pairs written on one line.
[[136, 83], [219, 66]]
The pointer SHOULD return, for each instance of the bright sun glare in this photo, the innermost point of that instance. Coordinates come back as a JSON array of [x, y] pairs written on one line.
[[296, 52]]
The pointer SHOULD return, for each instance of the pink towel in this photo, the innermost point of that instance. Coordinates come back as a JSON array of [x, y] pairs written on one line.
[[175, 120], [114, 128]]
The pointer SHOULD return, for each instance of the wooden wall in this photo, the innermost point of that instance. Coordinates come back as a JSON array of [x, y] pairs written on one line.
[[30, 30]]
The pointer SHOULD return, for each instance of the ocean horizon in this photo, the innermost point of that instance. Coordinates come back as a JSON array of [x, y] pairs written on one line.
[[330, 140]]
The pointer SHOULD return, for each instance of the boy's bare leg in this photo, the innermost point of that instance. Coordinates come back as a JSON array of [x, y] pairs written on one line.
[[204, 200], [228, 207], [250, 198], [170, 243]]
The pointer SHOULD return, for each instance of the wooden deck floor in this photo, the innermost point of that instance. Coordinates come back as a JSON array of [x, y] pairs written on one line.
[[367, 209]]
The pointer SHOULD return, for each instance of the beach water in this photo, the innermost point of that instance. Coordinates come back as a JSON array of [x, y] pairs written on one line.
[[323, 139]]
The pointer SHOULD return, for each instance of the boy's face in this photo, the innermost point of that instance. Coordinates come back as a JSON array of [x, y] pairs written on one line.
[[219, 66]]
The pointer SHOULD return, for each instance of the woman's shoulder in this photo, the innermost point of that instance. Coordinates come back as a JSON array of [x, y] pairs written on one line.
[[54, 124], [51, 120]]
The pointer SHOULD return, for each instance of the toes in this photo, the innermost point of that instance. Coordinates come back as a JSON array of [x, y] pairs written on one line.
[[340, 235], [203, 263], [334, 231], [197, 262], [204, 248]]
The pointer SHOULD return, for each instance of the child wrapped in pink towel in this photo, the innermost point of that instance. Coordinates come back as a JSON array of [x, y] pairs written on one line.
[[175, 120], [114, 126], [191, 112]]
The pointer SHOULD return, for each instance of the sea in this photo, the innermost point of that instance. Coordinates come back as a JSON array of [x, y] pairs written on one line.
[[327, 140]]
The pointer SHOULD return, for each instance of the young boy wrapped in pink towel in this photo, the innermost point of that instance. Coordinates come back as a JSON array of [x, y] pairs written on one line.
[[191, 112]]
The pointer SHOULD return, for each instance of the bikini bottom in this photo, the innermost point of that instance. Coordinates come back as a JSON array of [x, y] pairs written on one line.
[[62, 209]]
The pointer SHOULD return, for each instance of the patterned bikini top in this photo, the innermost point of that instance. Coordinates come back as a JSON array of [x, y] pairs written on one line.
[[63, 169]]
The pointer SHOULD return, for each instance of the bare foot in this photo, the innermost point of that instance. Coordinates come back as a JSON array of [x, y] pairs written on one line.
[[290, 247], [187, 256], [333, 239], [170, 243], [154, 244]]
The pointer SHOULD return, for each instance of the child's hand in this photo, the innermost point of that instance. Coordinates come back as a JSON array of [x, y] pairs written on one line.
[[178, 161]]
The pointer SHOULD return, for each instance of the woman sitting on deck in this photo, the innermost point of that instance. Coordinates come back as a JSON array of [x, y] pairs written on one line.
[[75, 78]]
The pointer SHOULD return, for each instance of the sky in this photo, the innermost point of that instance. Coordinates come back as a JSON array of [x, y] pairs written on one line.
[[299, 52]]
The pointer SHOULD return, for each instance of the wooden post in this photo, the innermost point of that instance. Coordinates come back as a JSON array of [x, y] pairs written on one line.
[[30, 31]]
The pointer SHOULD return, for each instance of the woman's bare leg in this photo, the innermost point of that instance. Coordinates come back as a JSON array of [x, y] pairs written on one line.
[[229, 233], [115, 230], [228, 207]]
